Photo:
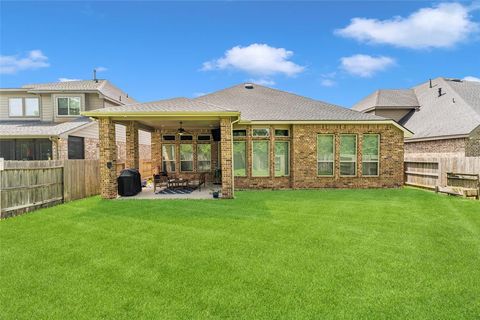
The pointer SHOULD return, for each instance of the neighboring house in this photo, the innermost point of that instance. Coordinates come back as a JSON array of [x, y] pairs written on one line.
[[257, 137], [443, 114], [43, 121]]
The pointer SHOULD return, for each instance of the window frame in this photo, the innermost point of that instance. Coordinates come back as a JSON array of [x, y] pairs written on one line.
[[12, 150], [24, 108], [174, 160], [283, 129], [68, 96], [182, 161], [333, 151], [378, 154], [198, 161], [356, 155], [83, 147], [244, 142], [287, 161], [261, 128], [209, 136], [268, 158], [239, 136], [169, 135]]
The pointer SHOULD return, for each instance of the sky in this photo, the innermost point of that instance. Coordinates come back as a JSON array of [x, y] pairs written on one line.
[[338, 52]]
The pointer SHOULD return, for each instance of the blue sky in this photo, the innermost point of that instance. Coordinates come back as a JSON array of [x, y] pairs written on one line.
[[156, 50]]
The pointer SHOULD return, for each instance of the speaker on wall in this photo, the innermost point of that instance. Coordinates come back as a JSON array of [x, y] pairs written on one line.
[[216, 134]]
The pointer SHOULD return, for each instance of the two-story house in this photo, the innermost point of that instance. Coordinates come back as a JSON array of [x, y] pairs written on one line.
[[43, 121]]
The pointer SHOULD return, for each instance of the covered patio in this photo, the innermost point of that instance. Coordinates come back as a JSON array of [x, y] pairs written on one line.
[[186, 145]]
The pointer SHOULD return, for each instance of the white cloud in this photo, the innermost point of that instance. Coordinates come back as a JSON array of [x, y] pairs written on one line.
[[363, 65], [33, 60], [256, 59], [101, 69], [470, 78], [67, 79], [327, 82], [439, 27], [263, 81]]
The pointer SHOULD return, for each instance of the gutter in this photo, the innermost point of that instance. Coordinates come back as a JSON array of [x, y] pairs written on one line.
[[149, 114]]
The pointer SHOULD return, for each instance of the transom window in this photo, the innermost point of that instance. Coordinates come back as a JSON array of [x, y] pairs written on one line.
[[166, 137], [168, 157], [261, 132], [23, 107], [68, 106], [260, 159], [348, 155], [240, 133], [325, 154], [239, 159], [204, 157], [204, 137], [186, 138], [370, 154], [281, 132], [186, 157]]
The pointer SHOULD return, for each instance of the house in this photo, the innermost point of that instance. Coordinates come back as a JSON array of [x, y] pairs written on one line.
[[443, 114], [256, 137], [43, 121]]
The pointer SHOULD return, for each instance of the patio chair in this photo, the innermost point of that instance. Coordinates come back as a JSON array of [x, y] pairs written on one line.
[[200, 182], [160, 180]]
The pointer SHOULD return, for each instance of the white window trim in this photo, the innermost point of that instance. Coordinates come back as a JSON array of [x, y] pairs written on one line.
[[356, 155], [246, 161], [190, 142], [72, 95], [288, 158], [174, 157], [24, 106], [268, 158], [333, 161], [260, 128], [377, 162], [198, 167]]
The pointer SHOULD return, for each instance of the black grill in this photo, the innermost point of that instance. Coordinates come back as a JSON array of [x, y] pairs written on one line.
[[129, 182]]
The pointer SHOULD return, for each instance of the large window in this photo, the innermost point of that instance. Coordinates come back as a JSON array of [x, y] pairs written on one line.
[[325, 154], [68, 106], [239, 159], [26, 149], [204, 157], [76, 147], [186, 157], [168, 156], [23, 107], [370, 154], [348, 155], [281, 159], [260, 159]]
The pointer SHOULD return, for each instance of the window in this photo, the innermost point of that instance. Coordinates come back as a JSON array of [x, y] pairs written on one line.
[[204, 157], [23, 107], [76, 147], [260, 159], [26, 149], [240, 133], [325, 154], [261, 132], [168, 156], [204, 137], [168, 137], [348, 155], [281, 159], [186, 157], [370, 154], [186, 138], [239, 159], [68, 106], [281, 133]]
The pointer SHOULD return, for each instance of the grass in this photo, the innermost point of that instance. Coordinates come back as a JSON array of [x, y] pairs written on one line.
[[368, 254]]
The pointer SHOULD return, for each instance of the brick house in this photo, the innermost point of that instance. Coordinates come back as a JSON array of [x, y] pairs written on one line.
[[257, 137], [443, 114], [43, 121]]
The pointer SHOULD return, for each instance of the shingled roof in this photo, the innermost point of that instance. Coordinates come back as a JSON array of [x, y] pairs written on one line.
[[40, 128], [104, 87], [388, 99]]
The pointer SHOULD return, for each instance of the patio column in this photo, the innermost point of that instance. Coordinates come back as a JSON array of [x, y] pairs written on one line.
[[132, 159], [226, 157], [156, 151], [108, 158]]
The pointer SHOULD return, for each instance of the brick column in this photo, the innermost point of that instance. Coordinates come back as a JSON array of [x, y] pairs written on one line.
[[132, 156], [226, 157], [156, 154], [108, 158]]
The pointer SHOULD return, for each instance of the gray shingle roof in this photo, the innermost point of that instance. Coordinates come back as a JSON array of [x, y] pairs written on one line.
[[103, 86], [168, 105], [396, 98], [267, 104], [40, 128]]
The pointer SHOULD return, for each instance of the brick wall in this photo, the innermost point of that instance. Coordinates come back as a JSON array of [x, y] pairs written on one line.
[[303, 159], [436, 146]]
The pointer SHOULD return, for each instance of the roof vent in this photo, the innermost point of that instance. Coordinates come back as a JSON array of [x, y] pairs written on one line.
[[440, 93], [248, 85], [456, 80]]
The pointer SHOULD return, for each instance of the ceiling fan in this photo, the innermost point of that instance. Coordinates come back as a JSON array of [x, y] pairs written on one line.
[[181, 131]]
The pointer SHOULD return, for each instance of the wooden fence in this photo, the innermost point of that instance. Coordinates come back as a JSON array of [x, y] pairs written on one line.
[[428, 172]]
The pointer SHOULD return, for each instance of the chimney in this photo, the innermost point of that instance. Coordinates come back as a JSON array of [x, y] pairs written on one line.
[[95, 75]]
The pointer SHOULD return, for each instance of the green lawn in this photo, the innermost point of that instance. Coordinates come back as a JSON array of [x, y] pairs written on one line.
[[367, 254]]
